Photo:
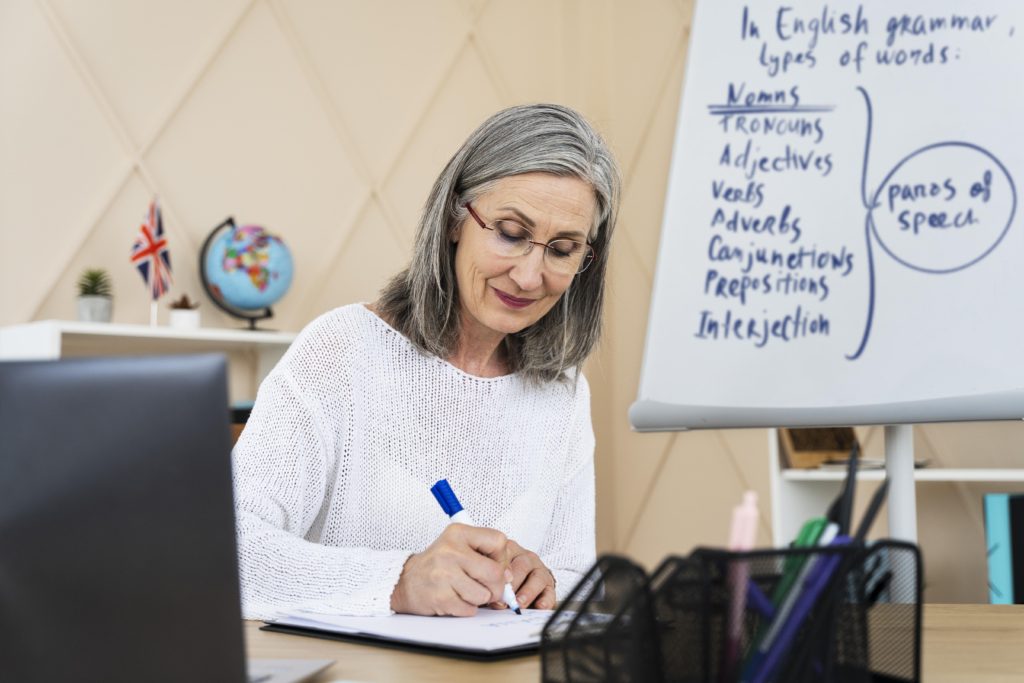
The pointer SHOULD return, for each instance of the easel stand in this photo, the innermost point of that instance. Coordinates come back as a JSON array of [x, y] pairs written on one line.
[[899, 468]]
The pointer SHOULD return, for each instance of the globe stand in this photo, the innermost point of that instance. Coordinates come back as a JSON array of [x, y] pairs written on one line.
[[212, 291]]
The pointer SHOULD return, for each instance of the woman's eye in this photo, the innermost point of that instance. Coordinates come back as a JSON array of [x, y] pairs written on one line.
[[564, 248], [510, 231]]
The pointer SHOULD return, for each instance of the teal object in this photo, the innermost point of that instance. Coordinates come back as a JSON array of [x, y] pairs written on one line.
[[245, 270], [1000, 548]]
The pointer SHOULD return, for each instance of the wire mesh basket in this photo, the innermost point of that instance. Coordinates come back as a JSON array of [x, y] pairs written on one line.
[[844, 613]]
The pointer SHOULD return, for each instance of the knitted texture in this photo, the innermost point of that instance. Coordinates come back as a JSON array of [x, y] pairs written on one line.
[[348, 433]]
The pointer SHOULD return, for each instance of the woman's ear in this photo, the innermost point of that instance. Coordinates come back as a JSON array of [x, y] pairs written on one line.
[[455, 234]]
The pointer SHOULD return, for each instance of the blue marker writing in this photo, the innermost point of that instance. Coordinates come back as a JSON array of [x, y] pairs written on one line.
[[453, 508]]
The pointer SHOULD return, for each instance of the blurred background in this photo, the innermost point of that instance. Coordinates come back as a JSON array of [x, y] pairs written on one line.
[[327, 122]]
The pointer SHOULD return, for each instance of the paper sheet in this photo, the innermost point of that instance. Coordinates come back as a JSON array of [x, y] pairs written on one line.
[[488, 631]]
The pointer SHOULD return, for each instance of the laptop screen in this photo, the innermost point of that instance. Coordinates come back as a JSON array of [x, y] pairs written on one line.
[[117, 539]]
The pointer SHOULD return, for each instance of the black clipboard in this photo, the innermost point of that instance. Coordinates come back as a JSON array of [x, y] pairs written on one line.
[[472, 654]]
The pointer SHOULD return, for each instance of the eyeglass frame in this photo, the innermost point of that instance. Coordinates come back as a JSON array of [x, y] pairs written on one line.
[[587, 261]]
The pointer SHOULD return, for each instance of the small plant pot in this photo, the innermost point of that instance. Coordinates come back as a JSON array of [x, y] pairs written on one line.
[[185, 318], [95, 309]]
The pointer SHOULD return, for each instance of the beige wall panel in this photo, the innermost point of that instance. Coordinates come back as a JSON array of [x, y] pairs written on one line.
[[647, 37], [381, 62], [526, 42], [472, 8], [144, 72], [109, 247], [597, 371], [644, 200], [691, 502], [61, 160], [748, 452], [464, 100], [976, 444], [253, 141], [951, 516], [739, 457], [644, 82], [871, 441], [953, 544], [635, 456], [370, 256]]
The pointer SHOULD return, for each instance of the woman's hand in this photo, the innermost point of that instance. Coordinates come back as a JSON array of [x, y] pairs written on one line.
[[463, 568], [533, 582]]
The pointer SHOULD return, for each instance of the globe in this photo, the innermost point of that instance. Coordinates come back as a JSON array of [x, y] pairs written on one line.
[[245, 270]]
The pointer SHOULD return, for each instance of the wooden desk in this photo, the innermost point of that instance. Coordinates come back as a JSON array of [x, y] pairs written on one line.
[[369, 664], [962, 643], [973, 643]]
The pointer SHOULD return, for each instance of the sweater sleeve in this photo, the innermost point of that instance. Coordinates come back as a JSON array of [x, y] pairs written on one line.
[[282, 467], [569, 548]]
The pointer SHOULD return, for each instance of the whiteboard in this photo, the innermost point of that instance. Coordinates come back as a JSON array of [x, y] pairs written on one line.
[[841, 241]]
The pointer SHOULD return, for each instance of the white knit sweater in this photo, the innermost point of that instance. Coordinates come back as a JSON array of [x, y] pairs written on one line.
[[348, 433]]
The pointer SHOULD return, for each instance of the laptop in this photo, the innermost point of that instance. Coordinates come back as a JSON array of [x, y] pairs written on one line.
[[117, 534]]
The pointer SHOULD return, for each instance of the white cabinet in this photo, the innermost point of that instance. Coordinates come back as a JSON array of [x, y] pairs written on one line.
[[251, 354]]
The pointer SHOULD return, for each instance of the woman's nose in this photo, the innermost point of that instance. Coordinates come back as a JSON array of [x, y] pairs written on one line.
[[528, 271]]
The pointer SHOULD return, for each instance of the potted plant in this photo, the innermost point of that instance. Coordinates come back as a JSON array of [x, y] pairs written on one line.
[[184, 313], [95, 303]]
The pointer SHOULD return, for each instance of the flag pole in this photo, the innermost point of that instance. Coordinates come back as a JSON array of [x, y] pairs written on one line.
[[152, 313]]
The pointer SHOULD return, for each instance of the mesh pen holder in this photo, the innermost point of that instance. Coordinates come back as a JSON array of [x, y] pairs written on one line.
[[604, 630], [854, 616]]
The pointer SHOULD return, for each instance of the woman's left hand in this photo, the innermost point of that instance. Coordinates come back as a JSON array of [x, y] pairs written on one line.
[[533, 582]]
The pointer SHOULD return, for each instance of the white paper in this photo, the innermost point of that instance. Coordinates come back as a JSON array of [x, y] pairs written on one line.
[[488, 631]]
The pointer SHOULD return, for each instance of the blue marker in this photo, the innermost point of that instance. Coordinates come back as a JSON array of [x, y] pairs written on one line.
[[453, 508]]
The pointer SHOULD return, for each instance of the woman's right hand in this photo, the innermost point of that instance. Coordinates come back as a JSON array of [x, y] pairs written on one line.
[[465, 567]]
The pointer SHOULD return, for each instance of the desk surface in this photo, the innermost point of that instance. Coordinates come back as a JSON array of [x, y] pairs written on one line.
[[977, 643]]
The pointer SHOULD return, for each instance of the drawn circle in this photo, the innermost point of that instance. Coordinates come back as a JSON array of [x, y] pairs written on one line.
[[944, 207]]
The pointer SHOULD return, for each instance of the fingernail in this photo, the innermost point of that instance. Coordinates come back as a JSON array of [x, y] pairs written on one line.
[[508, 576]]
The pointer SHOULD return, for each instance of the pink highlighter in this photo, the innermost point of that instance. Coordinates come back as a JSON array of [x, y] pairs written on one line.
[[741, 537]]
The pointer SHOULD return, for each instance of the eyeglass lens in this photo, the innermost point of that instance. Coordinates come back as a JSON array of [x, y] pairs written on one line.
[[567, 257]]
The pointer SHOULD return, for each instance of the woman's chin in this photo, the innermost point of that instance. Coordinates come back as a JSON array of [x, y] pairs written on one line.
[[507, 322]]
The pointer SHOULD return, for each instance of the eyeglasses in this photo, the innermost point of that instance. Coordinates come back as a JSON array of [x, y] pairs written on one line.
[[511, 239]]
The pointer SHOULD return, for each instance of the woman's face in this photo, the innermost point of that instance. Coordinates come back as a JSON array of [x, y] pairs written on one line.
[[501, 295]]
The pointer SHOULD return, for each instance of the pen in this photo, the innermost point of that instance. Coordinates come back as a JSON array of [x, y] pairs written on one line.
[[810, 592], [453, 508], [759, 601], [845, 508], [869, 515], [760, 652], [808, 537]]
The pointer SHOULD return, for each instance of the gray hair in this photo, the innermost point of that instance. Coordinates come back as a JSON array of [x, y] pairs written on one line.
[[422, 301]]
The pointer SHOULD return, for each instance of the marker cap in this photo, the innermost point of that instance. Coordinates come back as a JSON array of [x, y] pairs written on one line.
[[446, 497]]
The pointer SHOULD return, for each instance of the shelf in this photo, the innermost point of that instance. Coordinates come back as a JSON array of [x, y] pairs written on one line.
[[56, 338], [52, 339], [923, 474], [72, 329]]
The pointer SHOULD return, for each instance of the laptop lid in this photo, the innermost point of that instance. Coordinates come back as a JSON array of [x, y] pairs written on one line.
[[117, 538]]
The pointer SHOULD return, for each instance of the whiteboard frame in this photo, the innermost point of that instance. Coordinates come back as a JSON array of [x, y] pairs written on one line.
[[655, 416]]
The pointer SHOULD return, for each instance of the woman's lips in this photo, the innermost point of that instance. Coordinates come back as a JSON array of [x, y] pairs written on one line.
[[512, 301]]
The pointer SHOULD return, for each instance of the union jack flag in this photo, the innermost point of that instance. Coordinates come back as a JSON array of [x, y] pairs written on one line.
[[150, 254]]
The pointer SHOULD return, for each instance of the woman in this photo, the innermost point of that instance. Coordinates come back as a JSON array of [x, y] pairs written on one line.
[[466, 368]]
